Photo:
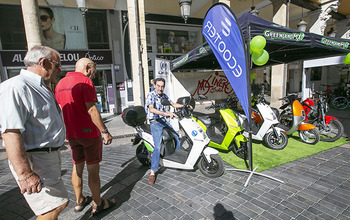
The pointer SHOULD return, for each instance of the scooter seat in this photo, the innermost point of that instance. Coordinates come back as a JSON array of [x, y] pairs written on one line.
[[208, 120], [146, 128]]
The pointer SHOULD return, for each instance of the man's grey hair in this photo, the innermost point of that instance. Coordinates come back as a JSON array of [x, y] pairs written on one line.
[[34, 55]]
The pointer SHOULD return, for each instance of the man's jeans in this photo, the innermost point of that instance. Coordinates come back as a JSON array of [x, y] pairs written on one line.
[[157, 127]]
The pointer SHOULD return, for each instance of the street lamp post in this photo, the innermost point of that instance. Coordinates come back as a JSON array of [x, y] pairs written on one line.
[[185, 6], [82, 6]]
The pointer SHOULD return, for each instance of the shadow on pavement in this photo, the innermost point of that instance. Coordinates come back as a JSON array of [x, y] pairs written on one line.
[[14, 206], [221, 213], [120, 187]]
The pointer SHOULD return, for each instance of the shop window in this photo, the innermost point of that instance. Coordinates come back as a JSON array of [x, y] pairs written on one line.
[[97, 29], [12, 32], [316, 73], [176, 41]]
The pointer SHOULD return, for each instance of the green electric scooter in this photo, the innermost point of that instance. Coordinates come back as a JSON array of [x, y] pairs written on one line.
[[224, 129]]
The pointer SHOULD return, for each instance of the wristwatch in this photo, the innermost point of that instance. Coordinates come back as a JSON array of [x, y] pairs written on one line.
[[105, 131]]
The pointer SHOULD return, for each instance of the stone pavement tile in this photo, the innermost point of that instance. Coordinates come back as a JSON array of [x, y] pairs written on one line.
[[202, 202], [176, 212], [328, 182], [193, 204], [291, 206], [260, 203], [286, 208], [155, 207], [247, 211], [260, 217], [165, 214], [270, 216], [144, 210], [347, 212], [307, 196], [319, 213], [243, 196], [256, 190], [288, 188], [314, 192], [209, 198], [272, 197], [171, 199], [196, 215], [342, 199], [133, 203], [237, 214], [162, 203], [267, 200], [337, 202], [252, 206], [301, 217], [187, 217], [331, 206], [206, 212], [274, 211], [185, 208], [325, 209], [227, 201], [299, 182], [284, 216], [342, 193], [280, 193], [298, 203]]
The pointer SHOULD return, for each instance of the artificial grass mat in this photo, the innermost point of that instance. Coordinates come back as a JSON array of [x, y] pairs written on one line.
[[267, 158]]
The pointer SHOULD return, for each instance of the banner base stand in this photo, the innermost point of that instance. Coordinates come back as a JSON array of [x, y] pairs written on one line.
[[251, 174]]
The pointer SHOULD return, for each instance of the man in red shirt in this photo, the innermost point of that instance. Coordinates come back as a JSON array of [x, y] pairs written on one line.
[[76, 95]]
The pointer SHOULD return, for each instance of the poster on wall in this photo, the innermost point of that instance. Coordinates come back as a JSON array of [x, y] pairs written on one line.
[[63, 28], [173, 87], [214, 85]]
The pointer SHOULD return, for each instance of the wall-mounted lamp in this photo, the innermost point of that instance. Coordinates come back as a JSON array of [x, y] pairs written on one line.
[[82, 6], [185, 6], [254, 11], [302, 25]]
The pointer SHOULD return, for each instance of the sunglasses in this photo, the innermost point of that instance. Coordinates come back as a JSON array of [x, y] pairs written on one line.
[[44, 18]]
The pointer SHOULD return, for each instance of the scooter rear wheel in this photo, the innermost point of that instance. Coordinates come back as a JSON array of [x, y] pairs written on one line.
[[274, 142], [331, 132], [142, 155], [310, 136], [217, 168]]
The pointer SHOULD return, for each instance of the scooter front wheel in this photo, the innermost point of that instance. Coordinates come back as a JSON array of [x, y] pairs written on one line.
[[142, 155], [215, 169], [277, 143], [311, 136]]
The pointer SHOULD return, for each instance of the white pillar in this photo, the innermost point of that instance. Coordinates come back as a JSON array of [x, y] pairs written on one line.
[[30, 11], [143, 41], [278, 72], [134, 51]]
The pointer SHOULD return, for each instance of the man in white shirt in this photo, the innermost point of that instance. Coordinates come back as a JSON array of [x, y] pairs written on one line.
[[33, 130]]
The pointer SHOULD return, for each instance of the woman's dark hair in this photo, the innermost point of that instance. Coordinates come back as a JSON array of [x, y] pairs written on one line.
[[48, 11], [159, 79]]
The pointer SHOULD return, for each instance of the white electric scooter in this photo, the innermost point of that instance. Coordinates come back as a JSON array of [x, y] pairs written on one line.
[[265, 125], [209, 162]]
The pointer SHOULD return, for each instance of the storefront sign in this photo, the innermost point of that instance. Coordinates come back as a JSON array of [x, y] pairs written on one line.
[[15, 58]]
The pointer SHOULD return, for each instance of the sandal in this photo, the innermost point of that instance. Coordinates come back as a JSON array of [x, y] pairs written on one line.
[[83, 204], [98, 209]]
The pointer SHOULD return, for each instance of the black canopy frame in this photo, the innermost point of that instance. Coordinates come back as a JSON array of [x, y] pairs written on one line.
[[284, 45]]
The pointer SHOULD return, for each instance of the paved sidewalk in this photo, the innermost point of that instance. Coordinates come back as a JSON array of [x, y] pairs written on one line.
[[316, 187]]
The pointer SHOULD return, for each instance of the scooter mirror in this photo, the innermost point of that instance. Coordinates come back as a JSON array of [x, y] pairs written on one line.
[[202, 97]]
